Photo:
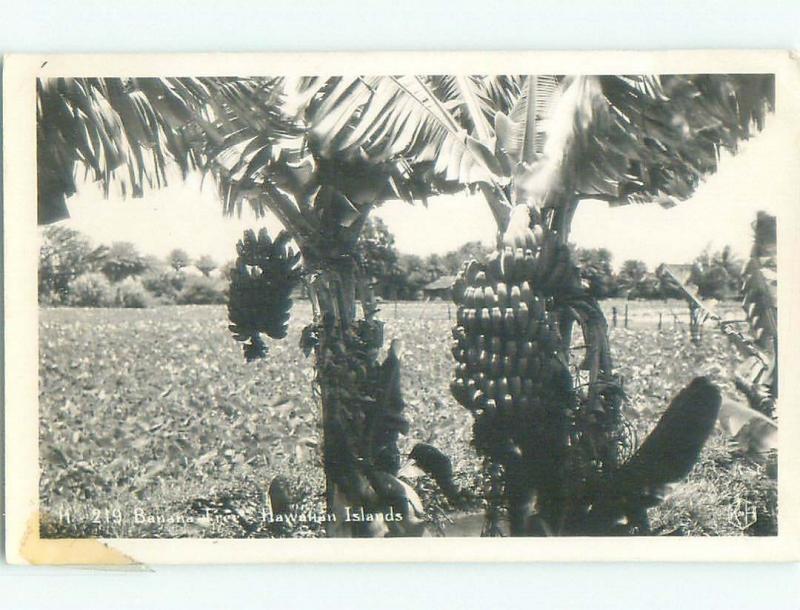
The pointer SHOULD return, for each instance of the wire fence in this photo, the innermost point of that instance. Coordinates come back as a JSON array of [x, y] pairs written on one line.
[[619, 313]]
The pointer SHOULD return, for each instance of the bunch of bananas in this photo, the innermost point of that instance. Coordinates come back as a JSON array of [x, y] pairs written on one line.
[[261, 285], [506, 344]]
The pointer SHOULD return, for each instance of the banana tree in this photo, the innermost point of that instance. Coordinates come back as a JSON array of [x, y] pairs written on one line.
[[128, 130], [548, 424]]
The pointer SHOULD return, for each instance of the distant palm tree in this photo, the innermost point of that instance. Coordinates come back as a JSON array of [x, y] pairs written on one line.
[[717, 275], [322, 156]]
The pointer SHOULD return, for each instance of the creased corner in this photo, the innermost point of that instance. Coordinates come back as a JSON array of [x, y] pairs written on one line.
[[70, 551]]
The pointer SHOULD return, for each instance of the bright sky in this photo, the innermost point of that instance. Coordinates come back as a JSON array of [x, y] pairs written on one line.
[[187, 215]]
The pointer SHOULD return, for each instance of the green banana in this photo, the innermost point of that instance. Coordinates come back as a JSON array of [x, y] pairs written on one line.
[[508, 365], [502, 294], [489, 297], [502, 387], [523, 319], [497, 321], [507, 264], [509, 323], [511, 348], [494, 271]]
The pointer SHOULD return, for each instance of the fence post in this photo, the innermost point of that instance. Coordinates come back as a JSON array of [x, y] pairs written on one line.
[[614, 316], [659, 320], [448, 311], [626, 315]]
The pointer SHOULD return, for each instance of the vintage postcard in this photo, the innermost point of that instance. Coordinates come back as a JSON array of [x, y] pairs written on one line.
[[401, 307]]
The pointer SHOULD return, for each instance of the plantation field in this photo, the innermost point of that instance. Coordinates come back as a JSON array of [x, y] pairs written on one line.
[[153, 425]]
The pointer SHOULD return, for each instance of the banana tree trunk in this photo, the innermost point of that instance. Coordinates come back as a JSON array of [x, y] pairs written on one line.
[[361, 405], [331, 293], [596, 433]]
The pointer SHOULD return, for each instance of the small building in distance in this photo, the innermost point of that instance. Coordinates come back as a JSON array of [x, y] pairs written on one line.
[[440, 288]]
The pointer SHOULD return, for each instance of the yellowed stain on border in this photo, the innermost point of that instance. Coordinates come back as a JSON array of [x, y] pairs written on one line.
[[69, 551]]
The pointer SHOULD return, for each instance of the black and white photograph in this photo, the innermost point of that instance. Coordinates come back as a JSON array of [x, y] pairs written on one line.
[[468, 304]]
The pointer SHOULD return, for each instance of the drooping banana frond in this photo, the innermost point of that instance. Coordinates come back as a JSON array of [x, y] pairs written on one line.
[[311, 193], [555, 151], [385, 118], [501, 91], [107, 125], [663, 134], [441, 128], [129, 130], [619, 138], [628, 139], [261, 147], [514, 124], [474, 100], [679, 279], [642, 138]]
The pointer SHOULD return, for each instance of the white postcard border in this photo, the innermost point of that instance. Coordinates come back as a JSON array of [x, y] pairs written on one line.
[[21, 316]]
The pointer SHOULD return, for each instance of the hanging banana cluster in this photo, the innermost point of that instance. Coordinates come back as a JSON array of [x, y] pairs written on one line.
[[261, 286], [510, 372], [505, 338], [502, 331]]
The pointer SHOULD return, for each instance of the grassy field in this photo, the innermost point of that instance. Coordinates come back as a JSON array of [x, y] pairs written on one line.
[[152, 424]]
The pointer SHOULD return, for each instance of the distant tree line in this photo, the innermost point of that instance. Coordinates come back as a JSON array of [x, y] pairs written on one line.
[[402, 276], [74, 272], [717, 275]]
